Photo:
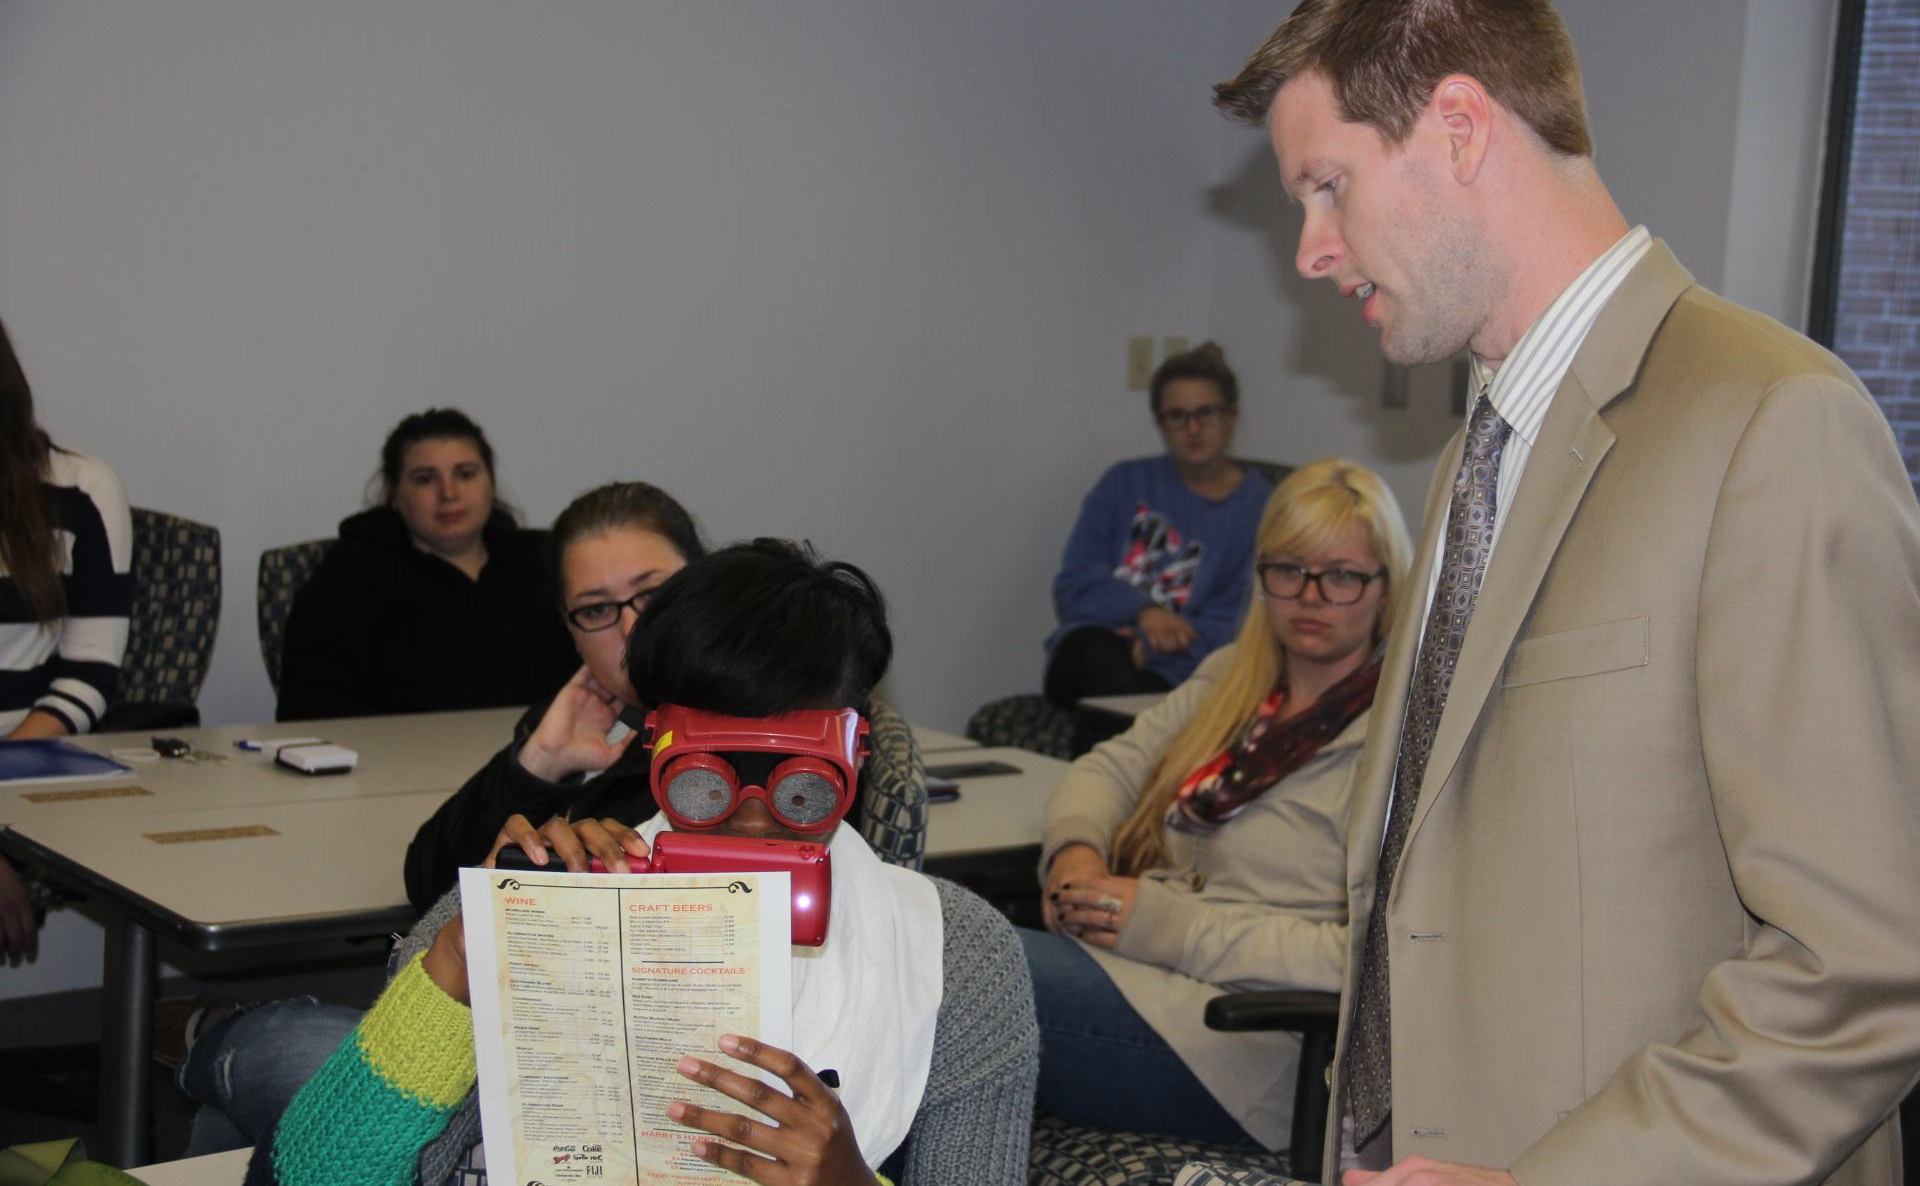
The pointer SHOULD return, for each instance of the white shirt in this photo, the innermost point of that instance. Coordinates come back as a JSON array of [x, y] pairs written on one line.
[[1522, 389], [1523, 386]]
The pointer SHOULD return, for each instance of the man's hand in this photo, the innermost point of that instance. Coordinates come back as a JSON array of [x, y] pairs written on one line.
[[1096, 908], [1165, 631], [572, 735], [1421, 1171], [446, 961], [18, 933], [814, 1144], [575, 842]]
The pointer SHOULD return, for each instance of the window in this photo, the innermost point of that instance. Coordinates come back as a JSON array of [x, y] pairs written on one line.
[[1866, 281]]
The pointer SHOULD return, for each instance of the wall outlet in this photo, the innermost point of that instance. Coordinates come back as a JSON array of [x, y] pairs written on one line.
[[1139, 362]]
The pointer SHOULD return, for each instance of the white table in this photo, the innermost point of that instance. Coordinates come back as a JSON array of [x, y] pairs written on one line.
[[934, 741], [1129, 704], [249, 854], [215, 1169], [399, 755], [995, 813], [989, 838]]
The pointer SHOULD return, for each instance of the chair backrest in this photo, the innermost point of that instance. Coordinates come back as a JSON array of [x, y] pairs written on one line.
[[1273, 471], [176, 609], [1027, 721], [893, 790], [282, 572]]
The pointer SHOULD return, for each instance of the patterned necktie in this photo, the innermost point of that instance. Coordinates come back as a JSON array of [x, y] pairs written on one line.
[[1470, 518]]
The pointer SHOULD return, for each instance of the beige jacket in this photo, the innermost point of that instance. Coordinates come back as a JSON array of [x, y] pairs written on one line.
[[1258, 903], [1658, 919]]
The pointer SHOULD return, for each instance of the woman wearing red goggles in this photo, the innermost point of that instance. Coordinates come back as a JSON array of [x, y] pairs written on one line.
[[914, 1041], [803, 766]]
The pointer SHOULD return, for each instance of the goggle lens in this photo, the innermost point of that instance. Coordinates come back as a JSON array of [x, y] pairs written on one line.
[[805, 798], [699, 795]]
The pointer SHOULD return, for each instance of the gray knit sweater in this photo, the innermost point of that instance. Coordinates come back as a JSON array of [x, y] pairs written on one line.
[[977, 1112]]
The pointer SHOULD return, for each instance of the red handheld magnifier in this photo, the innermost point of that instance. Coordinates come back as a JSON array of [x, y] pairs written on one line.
[[803, 765]]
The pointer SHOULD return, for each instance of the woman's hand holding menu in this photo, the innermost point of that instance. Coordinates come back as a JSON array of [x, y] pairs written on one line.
[[814, 1144], [575, 842]]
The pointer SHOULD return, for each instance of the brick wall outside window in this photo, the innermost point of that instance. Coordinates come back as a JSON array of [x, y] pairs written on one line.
[[1877, 326]]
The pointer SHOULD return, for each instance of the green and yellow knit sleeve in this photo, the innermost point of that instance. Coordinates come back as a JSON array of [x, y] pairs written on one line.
[[383, 1095]]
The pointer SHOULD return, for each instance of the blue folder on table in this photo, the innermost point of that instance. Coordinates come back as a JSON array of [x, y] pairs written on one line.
[[49, 759]]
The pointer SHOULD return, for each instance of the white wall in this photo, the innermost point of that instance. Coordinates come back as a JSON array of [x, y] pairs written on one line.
[[1706, 118], [852, 270], [1779, 151], [859, 270]]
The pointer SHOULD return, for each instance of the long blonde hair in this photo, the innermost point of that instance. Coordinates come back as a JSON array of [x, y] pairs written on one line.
[[1316, 502]]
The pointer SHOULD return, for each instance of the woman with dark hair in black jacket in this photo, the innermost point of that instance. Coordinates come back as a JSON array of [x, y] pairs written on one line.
[[435, 598], [611, 547]]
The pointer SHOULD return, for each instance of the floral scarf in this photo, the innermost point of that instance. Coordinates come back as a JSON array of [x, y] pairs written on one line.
[[1268, 750]]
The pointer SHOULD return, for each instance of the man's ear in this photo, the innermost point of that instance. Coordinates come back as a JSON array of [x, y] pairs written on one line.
[[1463, 118]]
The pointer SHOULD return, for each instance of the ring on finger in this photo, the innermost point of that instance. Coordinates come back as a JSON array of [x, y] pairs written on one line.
[[1110, 904]]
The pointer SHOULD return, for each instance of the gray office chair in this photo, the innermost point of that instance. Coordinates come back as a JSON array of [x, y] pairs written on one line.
[[170, 632], [283, 571], [893, 790], [1066, 1154]]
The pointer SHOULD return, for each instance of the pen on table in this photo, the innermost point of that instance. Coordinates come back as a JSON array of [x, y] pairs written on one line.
[[254, 745]]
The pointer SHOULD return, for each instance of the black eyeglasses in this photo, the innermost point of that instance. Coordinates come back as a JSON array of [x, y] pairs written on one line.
[[1338, 586], [1205, 417], [605, 615]]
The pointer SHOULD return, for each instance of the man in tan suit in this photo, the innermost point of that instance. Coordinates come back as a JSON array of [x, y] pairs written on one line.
[[1634, 864]]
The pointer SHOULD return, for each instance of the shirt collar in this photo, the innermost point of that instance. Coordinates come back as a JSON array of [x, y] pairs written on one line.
[[1523, 386]]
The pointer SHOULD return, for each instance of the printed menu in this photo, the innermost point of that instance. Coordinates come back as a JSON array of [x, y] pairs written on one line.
[[587, 991]]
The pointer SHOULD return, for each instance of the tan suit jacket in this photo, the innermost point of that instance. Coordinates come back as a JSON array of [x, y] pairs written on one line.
[[1658, 919]]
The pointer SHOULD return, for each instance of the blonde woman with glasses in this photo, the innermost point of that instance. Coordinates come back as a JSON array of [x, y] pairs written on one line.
[[1204, 849]]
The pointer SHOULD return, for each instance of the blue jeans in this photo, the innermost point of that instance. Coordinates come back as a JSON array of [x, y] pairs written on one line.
[[1101, 1064], [246, 1069]]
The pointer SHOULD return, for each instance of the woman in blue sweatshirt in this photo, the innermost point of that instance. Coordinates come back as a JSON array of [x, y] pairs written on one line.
[[1153, 577]]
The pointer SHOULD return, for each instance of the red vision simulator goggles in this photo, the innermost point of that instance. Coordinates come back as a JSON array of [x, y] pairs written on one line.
[[804, 765]]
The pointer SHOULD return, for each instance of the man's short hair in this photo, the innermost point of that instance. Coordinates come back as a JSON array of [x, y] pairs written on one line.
[[1385, 57]]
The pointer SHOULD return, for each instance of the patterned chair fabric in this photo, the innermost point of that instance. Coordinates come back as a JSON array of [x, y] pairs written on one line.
[[282, 573], [1273, 471], [1065, 1154], [893, 790], [1204, 1173], [1030, 722], [176, 609]]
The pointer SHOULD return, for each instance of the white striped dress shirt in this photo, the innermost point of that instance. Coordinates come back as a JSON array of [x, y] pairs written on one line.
[[1523, 386]]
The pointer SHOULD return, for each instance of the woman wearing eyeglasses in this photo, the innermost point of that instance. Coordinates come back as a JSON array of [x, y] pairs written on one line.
[[435, 598], [1153, 576], [1204, 849], [914, 1041], [612, 547]]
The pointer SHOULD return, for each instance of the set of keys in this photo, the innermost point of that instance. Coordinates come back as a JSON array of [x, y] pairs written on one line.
[[172, 748]]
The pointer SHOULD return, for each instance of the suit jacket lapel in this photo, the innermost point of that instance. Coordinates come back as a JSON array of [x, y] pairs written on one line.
[[1566, 453]]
